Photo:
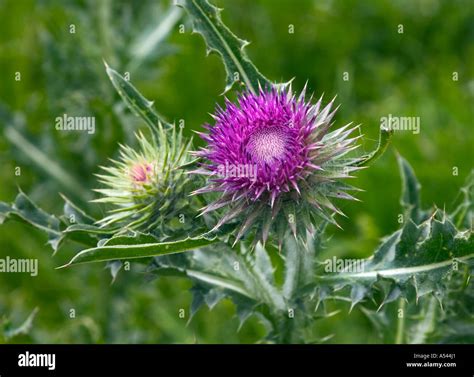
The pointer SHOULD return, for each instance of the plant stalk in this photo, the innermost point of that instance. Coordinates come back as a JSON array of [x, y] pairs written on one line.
[[401, 322]]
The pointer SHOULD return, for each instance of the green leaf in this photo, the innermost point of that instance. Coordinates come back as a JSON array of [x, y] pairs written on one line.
[[86, 234], [246, 277], [410, 199], [417, 257], [299, 266], [23, 209], [136, 102], [74, 212], [242, 272], [130, 248], [207, 21], [421, 330], [10, 332], [415, 261], [455, 321], [131, 238], [463, 215], [114, 266]]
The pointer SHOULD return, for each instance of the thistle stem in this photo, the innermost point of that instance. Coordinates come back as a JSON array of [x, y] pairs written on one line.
[[400, 322]]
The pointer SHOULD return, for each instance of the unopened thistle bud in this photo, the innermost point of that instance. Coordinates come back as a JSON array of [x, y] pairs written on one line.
[[146, 188]]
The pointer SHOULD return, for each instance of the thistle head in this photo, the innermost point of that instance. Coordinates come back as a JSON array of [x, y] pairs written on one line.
[[146, 187], [275, 163], [142, 173]]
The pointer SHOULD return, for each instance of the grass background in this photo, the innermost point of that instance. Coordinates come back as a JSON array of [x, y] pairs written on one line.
[[403, 74]]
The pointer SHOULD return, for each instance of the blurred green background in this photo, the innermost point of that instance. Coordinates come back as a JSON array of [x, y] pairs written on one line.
[[403, 74]]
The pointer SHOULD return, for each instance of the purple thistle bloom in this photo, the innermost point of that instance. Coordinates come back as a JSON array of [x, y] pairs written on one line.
[[272, 151]]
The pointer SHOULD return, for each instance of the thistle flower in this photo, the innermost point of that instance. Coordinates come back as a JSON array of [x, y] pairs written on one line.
[[146, 187], [274, 163]]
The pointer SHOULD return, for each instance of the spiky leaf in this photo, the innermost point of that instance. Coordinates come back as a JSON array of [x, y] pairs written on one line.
[[244, 276], [410, 199], [10, 331], [136, 102], [463, 215], [135, 248], [417, 260], [23, 209], [417, 256], [207, 21]]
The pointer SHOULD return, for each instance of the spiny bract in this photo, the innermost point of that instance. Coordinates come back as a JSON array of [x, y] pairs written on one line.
[[275, 164]]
